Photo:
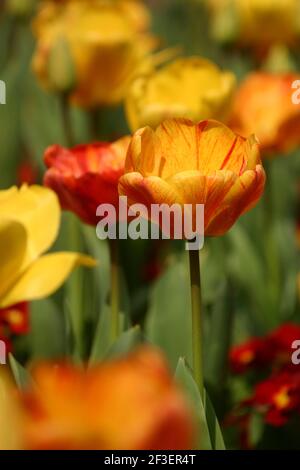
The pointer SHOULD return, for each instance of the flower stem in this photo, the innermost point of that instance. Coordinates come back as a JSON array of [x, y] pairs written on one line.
[[74, 285], [66, 120], [115, 288], [196, 318]]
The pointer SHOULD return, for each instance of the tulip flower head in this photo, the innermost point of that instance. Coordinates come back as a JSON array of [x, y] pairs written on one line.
[[186, 163], [192, 88], [24, 236], [263, 106], [127, 404], [86, 176], [257, 24], [91, 49]]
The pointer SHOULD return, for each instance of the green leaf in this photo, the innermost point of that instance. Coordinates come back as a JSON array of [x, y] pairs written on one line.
[[185, 379], [215, 432], [20, 374], [47, 335], [101, 273], [126, 343], [169, 319], [256, 428], [102, 340]]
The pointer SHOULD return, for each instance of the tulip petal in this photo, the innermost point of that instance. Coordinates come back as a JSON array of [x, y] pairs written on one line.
[[44, 277], [185, 146], [192, 185], [13, 245], [147, 191], [241, 198], [218, 186], [30, 206]]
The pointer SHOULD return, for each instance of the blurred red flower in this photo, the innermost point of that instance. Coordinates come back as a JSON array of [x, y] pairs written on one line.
[[278, 397], [27, 173], [252, 354], [86, 176], [273, 350], [16, 318]]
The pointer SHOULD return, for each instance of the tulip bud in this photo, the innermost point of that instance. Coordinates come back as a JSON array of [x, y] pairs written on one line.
[[279, 60], [226, 24], [61, 68]]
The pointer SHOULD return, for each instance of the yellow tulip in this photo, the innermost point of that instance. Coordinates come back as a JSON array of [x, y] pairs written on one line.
[[192, 88], [185, 163], [29, 223], [256, 23], [93, 47]]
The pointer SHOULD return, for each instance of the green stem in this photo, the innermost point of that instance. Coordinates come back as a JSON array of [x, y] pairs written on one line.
[[74, 285], [66, 120], [94, 121], [271, 249], [195, 279], [115, 289]]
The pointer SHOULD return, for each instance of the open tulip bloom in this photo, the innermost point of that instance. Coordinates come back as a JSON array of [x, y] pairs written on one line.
[[186, 163], [25, 272]]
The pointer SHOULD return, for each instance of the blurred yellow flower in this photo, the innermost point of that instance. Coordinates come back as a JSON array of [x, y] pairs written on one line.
[[29, 222], [192, 88], [256, 23], [11, 437], [185, 163], [93, 48]]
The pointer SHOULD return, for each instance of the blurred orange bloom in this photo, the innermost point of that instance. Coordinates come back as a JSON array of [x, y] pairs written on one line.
[[86, 176], [185, 163], [91, 48], [127, 404], [263, 105]]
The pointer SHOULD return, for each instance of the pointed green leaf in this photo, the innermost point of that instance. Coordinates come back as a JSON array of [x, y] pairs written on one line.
[[215, 432], [20, 374], [126, 343], [169, 319], [185, 379]]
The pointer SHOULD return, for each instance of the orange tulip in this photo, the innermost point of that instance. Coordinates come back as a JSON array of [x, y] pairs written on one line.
[[185, 163], [86, 176], [263, 105], [128, 404]]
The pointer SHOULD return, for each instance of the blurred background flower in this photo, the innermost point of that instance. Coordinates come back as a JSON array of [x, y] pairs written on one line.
[[86, 176], [130, 403], [91, 49], [192, 88], [263, 105], [257, 24]]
